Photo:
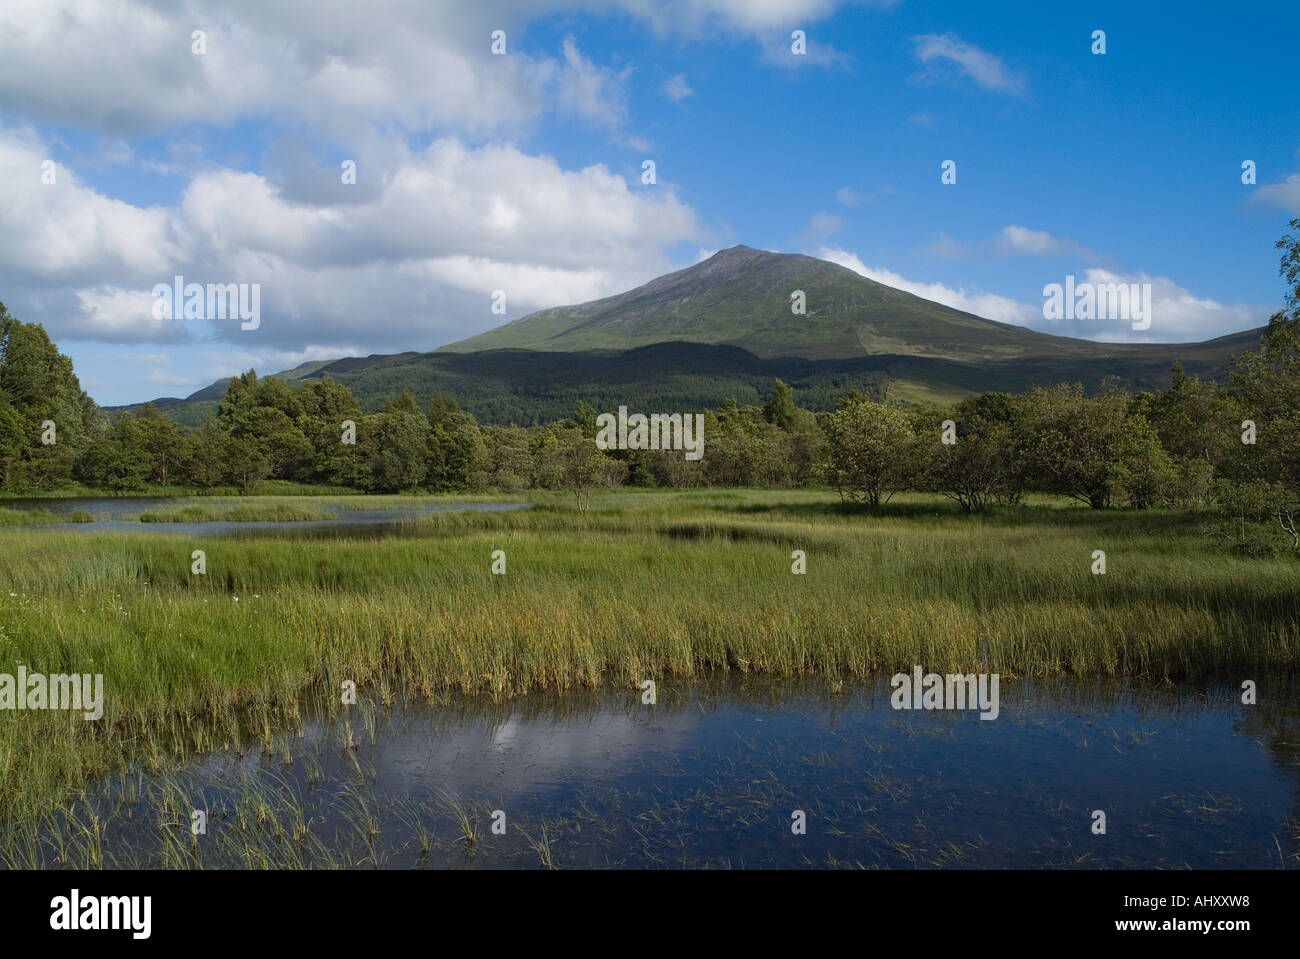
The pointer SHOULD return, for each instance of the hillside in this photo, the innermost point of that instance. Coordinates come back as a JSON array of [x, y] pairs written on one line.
[[741, 297], [723, 328]]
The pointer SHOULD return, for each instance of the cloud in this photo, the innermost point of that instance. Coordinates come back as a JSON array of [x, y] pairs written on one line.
[[1284, 195], [1018, 240], [816, 53], [232, 363], [759, 18], [821, 226], [1011, 241], [169, 379], [1177, 315], [342, 70], [113, 315], [940, 53], [595, 94], [410, 265], [950, 248], [677, 89], [988, 305], [851, 197]]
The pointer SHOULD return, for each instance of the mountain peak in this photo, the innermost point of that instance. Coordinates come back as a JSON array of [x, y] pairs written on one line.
[[723, 262]]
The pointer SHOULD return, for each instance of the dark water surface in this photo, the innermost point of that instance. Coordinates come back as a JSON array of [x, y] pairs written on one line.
[[710, 775], [120, 514]]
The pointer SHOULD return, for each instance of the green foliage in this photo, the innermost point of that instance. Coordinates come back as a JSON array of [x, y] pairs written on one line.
[[583, 466], [400, 454], [779, 409], [872, 449], [974, 470], [458, 457], [1289, 244], [42, 399], [1267, 380], [1070, 443]]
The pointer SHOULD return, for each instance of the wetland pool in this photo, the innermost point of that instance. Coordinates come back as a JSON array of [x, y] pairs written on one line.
[[710, 775]]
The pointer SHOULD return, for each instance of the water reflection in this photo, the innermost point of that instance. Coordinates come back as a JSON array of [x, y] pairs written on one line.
[[1188, 777]]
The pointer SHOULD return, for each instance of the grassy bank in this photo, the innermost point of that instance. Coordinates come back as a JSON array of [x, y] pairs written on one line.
[[244, 513], [645, 585], [40, 517]]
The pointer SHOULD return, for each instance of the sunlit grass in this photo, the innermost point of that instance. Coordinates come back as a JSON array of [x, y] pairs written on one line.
[[32, 517], [278, 512]]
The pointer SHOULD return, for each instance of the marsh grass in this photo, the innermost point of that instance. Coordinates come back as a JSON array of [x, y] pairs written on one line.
[[244, 513], [649, 584], [34, 517]]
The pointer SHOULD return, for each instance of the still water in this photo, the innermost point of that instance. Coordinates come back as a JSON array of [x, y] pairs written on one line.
[[120, 514], [711, 775]]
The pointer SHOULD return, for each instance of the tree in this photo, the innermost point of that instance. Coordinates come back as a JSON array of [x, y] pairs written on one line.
[[160, 438], [245, 464], [1198, 425], [440, 407], [510, 461], [584, 418], [326, 405], [456, 452], [401, 458], [780, 409], [975, 470], [1070, 443], [1289, 244], [585, 468], [279, 442], [241, 397], [803, 449], [871, 451], [1268, 379], [45, 401], [119, 459], [11, 439], [206, 462], [1143, 472], [275, 393]]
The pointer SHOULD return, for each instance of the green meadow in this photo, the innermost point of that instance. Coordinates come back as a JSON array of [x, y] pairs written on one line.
[[646, 584]]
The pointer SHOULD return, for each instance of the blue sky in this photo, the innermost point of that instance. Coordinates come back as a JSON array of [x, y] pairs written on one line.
[[522, 172]]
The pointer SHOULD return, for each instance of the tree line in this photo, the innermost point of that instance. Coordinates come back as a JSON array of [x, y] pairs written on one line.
[[1197, 444]]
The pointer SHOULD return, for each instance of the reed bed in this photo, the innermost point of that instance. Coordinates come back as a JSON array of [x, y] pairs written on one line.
[[276, 512]]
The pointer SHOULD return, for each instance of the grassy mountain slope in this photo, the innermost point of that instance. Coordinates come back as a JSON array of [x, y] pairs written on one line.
[[741, 297], [723, 328]]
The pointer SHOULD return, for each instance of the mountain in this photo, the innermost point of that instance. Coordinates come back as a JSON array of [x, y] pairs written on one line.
[[741, 297], [724, 328]]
